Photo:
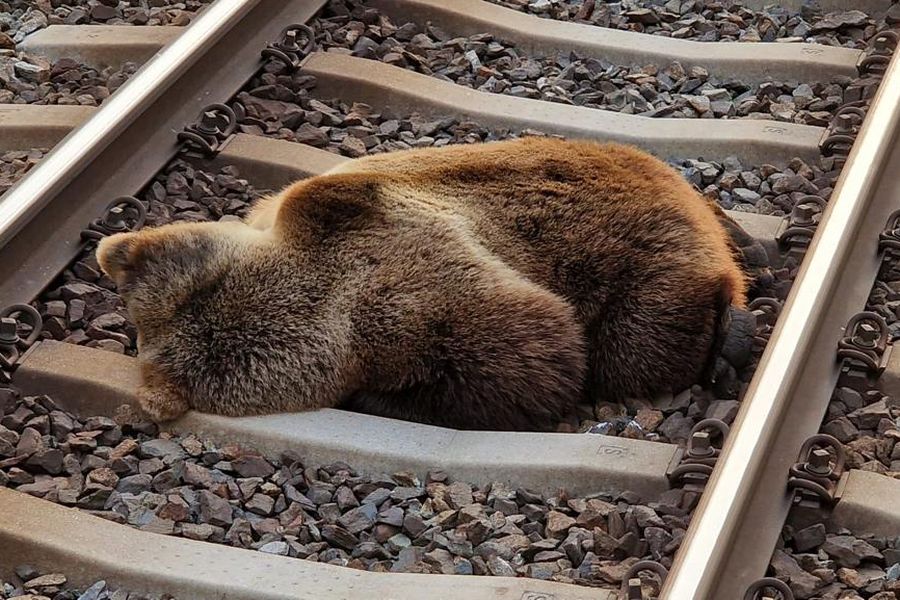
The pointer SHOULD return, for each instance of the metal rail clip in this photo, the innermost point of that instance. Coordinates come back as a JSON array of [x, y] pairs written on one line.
[[766, 311], [212, 131], [694, 464], [797, 229], [841, 132], [287, 50], [762, 589], [815, 478], [631, 583], [866, 344], [12, 346], [125, 213], [877, 56]]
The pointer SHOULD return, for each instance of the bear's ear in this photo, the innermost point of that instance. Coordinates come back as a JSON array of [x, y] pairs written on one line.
[[328, 205], [115, 254]]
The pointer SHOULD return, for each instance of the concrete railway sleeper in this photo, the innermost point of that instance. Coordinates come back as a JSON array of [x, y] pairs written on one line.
[[829, 23], [580, 520]]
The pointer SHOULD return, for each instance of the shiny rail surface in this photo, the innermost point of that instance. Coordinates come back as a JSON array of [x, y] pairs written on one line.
[[745, 503], [79, 149]]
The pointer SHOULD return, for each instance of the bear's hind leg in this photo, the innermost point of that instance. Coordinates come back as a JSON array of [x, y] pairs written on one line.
[[650, 343], [509, 356]]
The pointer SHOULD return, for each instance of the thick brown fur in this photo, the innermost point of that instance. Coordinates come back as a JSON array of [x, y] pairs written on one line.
[[485, 287]]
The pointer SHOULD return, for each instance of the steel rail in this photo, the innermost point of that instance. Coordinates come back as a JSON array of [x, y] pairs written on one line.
[[131, 138], [83, 145], [730, 540]]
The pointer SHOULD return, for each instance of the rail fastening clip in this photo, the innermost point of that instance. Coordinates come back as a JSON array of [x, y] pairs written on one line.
[[766, 310], [866, 342], [125, 213], [287, 50], [12, 346], [816, 475], [695, 464], [875, 59], [631, 584], [762, 589], [797, 229], [212, 130], [889, 239]]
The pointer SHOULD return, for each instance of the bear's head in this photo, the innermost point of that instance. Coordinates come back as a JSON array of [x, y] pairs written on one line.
[[194, 291]]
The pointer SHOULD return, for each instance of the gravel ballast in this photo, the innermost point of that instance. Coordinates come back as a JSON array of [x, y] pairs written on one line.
[[287, 108], [19, 18], [715, 21], [15, 164], [27, 583], [31, 79], [129, 474], [836, 565]]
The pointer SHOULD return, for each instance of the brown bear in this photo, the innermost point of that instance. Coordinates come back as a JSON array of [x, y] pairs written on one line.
[[488, 286]]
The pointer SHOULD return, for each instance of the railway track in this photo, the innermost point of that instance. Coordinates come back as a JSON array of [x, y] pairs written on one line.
[[796, 140]]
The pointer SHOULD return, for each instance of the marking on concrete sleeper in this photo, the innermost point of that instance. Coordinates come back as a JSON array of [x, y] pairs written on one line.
[[775, 130], [537, 596], [614, 451], [812, 51]]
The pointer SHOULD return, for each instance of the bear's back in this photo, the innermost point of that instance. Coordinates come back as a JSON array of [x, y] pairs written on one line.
[[585, 220]]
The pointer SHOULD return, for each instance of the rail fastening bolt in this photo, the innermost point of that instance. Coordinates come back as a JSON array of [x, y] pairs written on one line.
[[634, 589], [819, 462], [844, 124], [866, 336], [803, 214], [114, 219], [209, 122], [9, 335], [289, 42], [700, 445]]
